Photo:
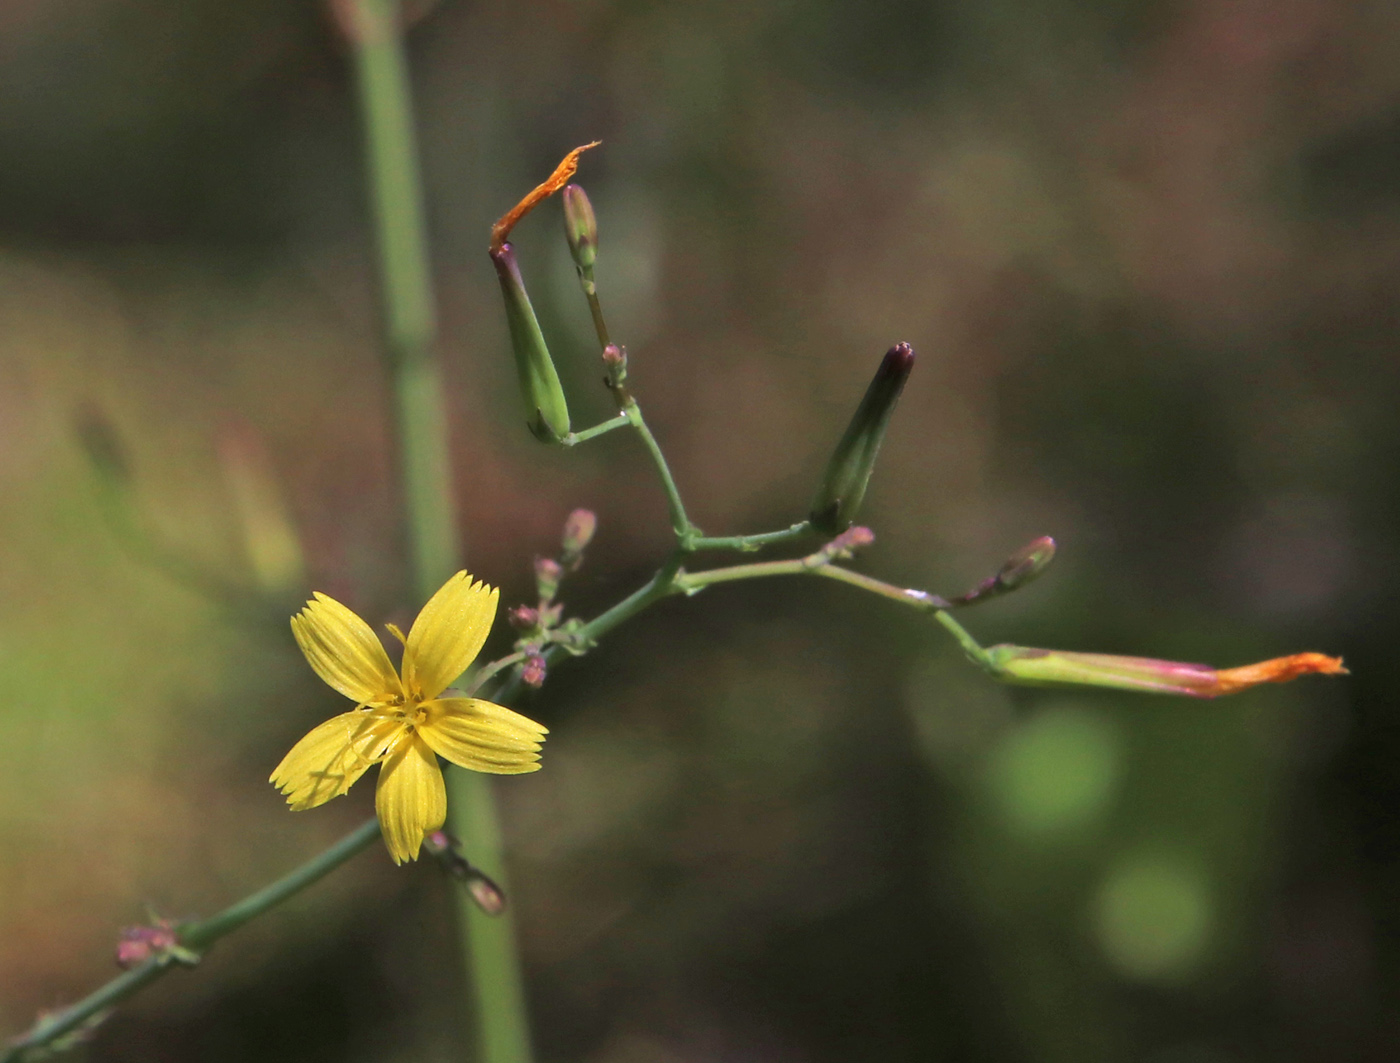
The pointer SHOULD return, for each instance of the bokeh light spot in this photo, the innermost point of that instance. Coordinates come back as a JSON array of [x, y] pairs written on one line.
[[1057, 772], [1154, 917]]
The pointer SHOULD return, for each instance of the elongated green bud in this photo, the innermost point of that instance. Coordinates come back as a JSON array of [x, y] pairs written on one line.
[[1021, 664], [848, 473], [546, 411], [581, 228]]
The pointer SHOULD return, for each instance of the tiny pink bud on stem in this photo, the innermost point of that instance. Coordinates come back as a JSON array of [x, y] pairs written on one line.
[[532, 672], [579, 530], [523, 617], [548, 573]]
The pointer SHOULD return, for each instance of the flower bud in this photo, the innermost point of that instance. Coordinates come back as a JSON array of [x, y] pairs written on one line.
[[1021, 664], [548, 573], [848, 472], [578, 533], [1026, 564], [547, 412], [523, 617], [489, 897], [581, 228], [532, 672]]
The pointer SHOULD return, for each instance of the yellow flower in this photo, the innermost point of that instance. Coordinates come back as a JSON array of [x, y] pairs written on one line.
[[401, 721]]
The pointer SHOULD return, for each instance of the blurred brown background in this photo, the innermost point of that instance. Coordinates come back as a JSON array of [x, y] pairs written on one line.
[[1147, 253]]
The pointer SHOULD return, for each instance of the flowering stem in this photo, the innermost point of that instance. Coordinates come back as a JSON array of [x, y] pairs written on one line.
[[197, 937], [573, 439], [488, 944], [680, 523], [476, 817]]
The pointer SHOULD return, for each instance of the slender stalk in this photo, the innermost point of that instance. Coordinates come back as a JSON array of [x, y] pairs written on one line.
[[680, 523], [600, 326], [391, 158], [573, 439], [197, 937], [488, 944], [749, 543]]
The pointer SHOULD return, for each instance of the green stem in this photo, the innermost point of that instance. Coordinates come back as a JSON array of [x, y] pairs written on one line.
[[495, 667], [391, 157], [596, 309], [819, 564], [488, 944], [680, 523], [573, 439], [749, 543], [197, 937]]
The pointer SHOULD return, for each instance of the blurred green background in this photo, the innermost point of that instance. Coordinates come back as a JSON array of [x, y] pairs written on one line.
[[1148, 255]]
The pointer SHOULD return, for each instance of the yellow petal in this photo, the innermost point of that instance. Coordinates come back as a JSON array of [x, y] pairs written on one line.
[[484, 737], [327, 761], [448, 635], [411, 799], [345, 652]]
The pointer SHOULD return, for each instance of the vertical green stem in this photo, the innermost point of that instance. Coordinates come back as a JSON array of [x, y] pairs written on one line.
[[391, 157]]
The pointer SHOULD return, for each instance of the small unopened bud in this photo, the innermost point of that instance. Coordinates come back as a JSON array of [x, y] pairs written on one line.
[[523, 617], [546, 410], [1026, 563], [848, 473], [581, 228], [158, 940], [615, 372], [578, 533], [548, 573], [848, 542], [489, 897], [1019, 569], [532, 672]]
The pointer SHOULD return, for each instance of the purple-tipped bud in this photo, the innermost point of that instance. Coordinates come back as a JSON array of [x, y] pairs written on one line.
[[523, 617], [615, 372], [546, 411], [578, 533], [848, 473], [533, 671], [581, 228], [139, 943], [1026, 564], [849, 541], [548, 573], [489, 897]]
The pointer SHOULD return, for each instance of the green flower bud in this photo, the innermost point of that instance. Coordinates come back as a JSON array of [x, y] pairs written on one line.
[[581, 228], [848, 473], [547, 412]]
